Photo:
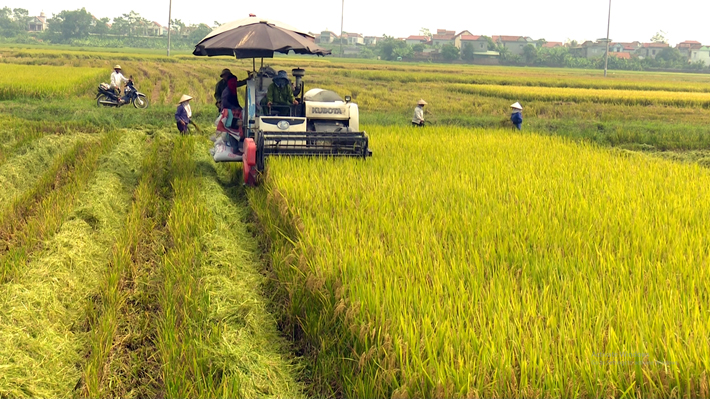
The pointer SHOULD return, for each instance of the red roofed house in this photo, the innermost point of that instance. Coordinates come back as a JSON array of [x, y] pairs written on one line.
[[686, 48], [514, 44], [479, 43], [553, 44], [155, 29], [650, 50], [353, 38], [38, 24], [625, 56], [414, 39], [624, 47], [328, 37]]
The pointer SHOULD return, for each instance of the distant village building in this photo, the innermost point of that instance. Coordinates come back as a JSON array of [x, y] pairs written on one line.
[[370, 40], [629, 48], [701, 54], [479, 43], [355, 39], [552, 45], [686, 48], [443, 37], [650, 50], [328, 37], [414, 40], [514, 44], [156, 29], [38, 24], [590, 49]]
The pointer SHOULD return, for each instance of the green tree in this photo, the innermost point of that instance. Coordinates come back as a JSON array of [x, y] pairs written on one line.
[[69, 25], [467, 51], [21, 18], [199, 32], [491, 45], [366, 53], [418, 48], [120, 26], [449, 52], [391, 48], [529, 53], [659, 37], [100, 27], [670, 55], [425, 32]]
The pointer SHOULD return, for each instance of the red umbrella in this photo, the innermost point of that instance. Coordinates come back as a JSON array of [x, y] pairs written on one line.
[[257, 38]]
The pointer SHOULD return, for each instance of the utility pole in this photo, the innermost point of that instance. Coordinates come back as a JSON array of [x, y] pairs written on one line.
[[342, 12], [170, 20], [608, 25]]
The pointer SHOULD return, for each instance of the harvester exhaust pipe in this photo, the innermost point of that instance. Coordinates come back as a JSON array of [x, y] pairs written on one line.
[[298, 73]]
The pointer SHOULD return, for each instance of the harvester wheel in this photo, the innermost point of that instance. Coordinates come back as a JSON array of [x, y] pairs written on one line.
[[249, 162]]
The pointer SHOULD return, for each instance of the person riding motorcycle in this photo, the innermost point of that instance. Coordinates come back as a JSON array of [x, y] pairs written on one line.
[[117, 79]]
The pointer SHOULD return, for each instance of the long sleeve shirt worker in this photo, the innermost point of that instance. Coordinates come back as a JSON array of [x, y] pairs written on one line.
[[117, 79], [418, 115]]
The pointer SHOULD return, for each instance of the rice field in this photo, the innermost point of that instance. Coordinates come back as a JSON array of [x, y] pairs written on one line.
[[44, 81], [463, 260], [498, 265]]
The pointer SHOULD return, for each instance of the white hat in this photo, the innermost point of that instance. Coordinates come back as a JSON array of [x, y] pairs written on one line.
[[422, 102], [516, 106], [184, 98], [117, 67]]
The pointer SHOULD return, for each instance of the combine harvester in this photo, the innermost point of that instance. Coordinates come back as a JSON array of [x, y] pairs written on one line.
[[321, 124]]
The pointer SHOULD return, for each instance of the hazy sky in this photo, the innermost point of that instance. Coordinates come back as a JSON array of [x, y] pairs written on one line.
[[554, 20]]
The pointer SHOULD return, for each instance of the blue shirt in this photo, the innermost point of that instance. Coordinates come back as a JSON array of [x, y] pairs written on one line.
[[181, 114], [516, 118]]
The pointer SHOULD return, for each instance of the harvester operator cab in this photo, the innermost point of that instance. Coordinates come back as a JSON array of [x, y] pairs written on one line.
[[317, 110]]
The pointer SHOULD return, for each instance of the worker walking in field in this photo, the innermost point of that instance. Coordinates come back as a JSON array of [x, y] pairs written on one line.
[[418, 119], [517, 116], [183, 114]]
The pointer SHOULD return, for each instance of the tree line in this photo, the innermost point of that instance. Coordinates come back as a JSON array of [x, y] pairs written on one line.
[[80, 27], [390, 48]]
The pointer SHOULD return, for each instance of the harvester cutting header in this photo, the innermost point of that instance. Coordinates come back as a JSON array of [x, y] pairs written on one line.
[[280, 118]]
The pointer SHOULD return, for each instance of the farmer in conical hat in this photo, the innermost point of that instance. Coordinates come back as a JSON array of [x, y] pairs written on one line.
[[517, 115], [183, 114], [418, 119]]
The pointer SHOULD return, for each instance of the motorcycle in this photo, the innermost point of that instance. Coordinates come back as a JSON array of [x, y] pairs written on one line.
[[106, 97]]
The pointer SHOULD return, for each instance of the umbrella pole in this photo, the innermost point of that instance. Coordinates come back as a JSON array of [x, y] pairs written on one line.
[[262, 62], [253, 60]]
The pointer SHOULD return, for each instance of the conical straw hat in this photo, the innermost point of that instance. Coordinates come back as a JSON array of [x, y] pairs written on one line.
[[516, 106], [422, 102], [184, 98]]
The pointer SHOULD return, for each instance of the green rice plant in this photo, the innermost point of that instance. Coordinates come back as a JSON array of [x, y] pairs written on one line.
[[45, 310], [493, 264], [45, 81], [615, 97]]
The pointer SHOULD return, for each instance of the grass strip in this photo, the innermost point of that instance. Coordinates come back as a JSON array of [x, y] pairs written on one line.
[[12, 217], [203, 352], [250, 345], [45, 310], [43, 218], [122, 361]]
